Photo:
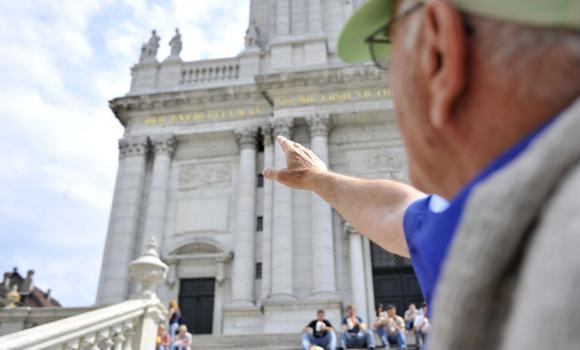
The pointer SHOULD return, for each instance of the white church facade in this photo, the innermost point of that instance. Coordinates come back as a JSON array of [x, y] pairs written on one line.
[[247, 256]]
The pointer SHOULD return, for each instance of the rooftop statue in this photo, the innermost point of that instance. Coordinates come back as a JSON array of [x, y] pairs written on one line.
[[252, 37], [176, 44], [149, 50]]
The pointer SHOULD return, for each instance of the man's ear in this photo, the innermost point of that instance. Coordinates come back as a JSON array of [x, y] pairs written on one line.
[[444, 56]]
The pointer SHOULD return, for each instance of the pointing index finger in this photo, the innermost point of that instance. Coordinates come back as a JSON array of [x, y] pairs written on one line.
[[284, 143]]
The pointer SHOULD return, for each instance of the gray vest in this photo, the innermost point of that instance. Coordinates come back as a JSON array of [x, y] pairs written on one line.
[[512, 277]]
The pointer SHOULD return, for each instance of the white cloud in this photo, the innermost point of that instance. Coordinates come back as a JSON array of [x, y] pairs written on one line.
[[61, 61]]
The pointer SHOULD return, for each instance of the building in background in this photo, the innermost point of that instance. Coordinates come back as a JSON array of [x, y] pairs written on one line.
[[28, 294], [247, 256]]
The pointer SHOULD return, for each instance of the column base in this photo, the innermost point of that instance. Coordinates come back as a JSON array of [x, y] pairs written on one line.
[[240, 304], [281, 297], [325, 295]]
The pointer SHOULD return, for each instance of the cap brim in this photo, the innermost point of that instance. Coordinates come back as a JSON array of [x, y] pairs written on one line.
[[352, 46]]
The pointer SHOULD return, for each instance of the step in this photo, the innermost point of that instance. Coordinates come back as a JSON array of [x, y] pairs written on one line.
[[286, 341]]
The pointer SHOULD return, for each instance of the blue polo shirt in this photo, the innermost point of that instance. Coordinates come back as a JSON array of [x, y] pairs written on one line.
[[431, 222]]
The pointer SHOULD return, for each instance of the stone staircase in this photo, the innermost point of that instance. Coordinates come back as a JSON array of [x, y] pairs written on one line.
[[262, 342]]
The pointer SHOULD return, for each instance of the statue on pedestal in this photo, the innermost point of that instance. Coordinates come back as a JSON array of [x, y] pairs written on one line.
[[252, 37], [176, 45], [149, 50]]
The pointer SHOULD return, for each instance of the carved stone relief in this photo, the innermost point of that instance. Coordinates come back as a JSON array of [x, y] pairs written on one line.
[[392, 163], [194, 176]]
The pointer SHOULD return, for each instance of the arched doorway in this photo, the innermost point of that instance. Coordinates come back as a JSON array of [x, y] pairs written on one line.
[[197, 274]]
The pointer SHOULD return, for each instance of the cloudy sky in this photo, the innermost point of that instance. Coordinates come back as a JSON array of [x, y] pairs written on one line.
[[60, 62]]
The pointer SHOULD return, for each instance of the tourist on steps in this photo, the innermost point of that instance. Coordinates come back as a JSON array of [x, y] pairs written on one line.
[[421, 326], [381, 315], [162, 341], [410, 315], [319, 332], [355, 333], [183, 339], [175, 320], [391, 329]]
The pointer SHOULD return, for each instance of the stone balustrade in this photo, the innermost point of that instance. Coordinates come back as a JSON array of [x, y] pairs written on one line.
[[199, 72], [175, 75], [128, 325]]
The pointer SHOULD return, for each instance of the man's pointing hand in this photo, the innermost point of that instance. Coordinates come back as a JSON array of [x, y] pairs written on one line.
[[302, 166]]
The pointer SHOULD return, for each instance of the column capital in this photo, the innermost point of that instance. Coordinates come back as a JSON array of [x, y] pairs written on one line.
[[319, 123], [163, 144], [247, 136], [133, 146], [349, 229], [266, 131], [283, 126]]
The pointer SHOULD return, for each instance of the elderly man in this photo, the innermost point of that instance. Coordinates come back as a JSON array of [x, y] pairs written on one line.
[[487, 100]]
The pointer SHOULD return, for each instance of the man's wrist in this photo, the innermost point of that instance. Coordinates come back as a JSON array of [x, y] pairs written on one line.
[[316, 180]]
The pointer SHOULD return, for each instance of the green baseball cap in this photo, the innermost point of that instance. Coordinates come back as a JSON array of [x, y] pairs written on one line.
[[352, 46]]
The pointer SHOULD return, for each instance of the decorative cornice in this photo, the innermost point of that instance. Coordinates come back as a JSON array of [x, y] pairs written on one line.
[[282, 126], [247, 137], [163, 144], [244, 94], [365, 73], [133, 146], [172, 100], [319, 123]]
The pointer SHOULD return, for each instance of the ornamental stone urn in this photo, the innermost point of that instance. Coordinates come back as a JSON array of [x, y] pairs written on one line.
[[148, 270], [13, 298]]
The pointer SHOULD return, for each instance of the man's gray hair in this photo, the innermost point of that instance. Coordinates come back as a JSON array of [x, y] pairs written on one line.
[[517, 51]]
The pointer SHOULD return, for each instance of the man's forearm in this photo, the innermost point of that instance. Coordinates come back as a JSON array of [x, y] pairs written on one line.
[[374, 207]]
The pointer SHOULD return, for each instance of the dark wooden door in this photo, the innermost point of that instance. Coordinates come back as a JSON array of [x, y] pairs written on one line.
[[394, 280], [196, 298]]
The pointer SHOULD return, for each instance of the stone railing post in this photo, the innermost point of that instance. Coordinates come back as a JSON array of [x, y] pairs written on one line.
[[148, 271]]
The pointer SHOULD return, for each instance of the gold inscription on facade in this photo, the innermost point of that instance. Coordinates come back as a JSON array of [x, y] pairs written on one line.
[[205, 116], [286, 101], [332, 97]]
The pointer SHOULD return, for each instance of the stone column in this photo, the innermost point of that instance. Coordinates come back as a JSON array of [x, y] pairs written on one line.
[[162, 148], [244, 255], [323, 273], [282, 227], [267, 230], [283, 18], [357, 273], [124, 220], [314, 16]]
